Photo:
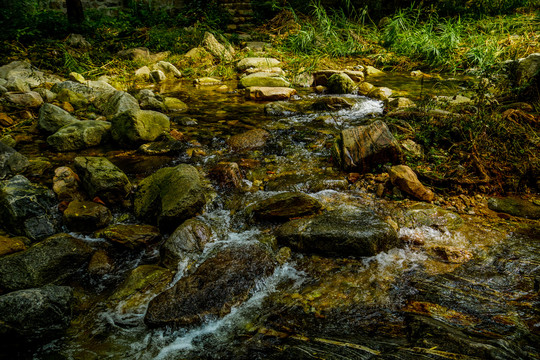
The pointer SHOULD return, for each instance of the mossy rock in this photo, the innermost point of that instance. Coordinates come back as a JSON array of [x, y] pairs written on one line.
[[340, 83], [136, 127]]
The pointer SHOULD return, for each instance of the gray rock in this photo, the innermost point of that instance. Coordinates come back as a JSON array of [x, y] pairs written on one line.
[[168, 69], [52, 260], [46, 94], [103, 179], [3, 90], [17, 84], [149, 101], [186, 242], [339, 233], [114, 103], [135, 127], [26, 100], [515, 207], [35, 314], [24, 71], [90, 89], [79, 135], [170, 196], [131, 236], [217, 49], [219, 283], [527, 68], [284, 206], [363, 147], [79, 101], [78, 41], [11, 161], [52, 118], [157, 76], [27, 209]]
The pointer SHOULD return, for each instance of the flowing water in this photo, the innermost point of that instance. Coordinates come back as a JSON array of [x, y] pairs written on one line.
[[406, 303]]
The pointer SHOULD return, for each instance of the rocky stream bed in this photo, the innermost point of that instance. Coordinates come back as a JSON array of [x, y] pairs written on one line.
[[198, 220]]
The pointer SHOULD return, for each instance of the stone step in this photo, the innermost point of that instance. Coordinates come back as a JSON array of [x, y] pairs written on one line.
[[237, 6]]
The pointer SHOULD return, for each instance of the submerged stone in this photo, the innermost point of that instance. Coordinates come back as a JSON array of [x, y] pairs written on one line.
[[251, 139]]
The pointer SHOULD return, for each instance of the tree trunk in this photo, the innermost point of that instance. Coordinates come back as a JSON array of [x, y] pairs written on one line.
[[75, 11]]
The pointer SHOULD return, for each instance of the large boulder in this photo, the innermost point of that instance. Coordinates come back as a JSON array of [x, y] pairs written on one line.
[[282, 207], [115, 103], [136, 127], [34, 314], [90, 89], [170, 196], [257, 63], [219, 283], [27, 209], [263, 79], [49, 261], [339, 233], [103, 179], [132, 236], [185, 243], [11, 161], [86, 216], [361, 148], [79, 135], [24, 71], [217, 49], [78, 101], [340, 83], [406, 180], [52, 118]]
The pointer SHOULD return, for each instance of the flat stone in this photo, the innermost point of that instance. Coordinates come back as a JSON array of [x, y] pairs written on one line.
[[269, 93]]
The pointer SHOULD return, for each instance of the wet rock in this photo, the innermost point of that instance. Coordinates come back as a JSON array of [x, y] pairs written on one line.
[[403, 177], [361, 148], [52, 118], [79, 135], [131, 236], [38, 166], [269, 93], [527, 68], [284, 206], [66, 184], [27, 209], [133, 128], [103, 179], [207, 81], [273, 70], [365, 88], [115, 103], [168, 69], [227, 174], [321, 77], [79, 101], [141, 284], [49, 261], [149, 101], [170, 196], [261, 63], [34, 315], [166, 146], [450, 254], [339, 233], [304, 79], [515, 207], [11, 161], [263, 79], [340, 83], [86, 216], [331, 103], [219, 283], [174, 104], [185, 243], [433, 216], [26, 100], [252, 139], [100, 264], [10, 245], [217, 49], [381, 93]]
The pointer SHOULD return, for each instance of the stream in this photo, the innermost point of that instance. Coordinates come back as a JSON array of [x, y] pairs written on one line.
[[456, 287]]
